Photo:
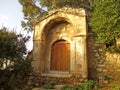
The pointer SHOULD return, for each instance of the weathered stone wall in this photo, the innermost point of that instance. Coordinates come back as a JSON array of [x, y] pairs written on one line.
[[112, 65], [101, 63], [35, 80], [63, 24], [71, 27]]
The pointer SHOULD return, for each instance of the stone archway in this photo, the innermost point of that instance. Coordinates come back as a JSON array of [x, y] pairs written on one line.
[[60, 56], [55, 31]]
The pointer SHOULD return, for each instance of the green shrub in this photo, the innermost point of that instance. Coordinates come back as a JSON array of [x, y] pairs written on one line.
[[14, 66], [106, 78], [116, 87], [89, 85], [50, 85], [15, 78], [100, 85]]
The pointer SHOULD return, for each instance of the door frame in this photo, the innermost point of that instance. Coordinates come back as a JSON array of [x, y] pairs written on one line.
[[55, 43]]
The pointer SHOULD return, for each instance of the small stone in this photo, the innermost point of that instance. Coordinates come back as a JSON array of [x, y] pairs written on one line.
[[59, 87], [37, 88]]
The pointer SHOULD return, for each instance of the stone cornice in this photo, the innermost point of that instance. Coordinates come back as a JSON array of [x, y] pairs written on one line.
[[75, 11]]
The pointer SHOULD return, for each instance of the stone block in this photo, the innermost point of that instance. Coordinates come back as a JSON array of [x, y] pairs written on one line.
[[37, 88]]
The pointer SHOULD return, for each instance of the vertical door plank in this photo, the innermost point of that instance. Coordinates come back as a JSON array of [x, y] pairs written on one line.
[[60, 56]]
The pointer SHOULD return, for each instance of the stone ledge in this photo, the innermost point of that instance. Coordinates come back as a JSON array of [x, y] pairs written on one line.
[[43, 89], [57, 74], [56, 87]]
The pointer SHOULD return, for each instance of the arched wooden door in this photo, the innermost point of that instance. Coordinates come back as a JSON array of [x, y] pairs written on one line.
[[60, 56]]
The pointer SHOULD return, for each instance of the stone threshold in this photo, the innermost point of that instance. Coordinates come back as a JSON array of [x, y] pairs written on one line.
[[56, 87], [57, 74]]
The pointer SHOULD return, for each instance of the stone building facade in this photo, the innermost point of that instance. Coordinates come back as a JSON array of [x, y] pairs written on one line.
[[65, 50]]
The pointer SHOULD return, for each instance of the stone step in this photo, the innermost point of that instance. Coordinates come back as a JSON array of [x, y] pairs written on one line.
[[57, 87]]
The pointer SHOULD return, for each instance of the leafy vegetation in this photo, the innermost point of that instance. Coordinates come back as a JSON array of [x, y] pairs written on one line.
[[89, 85], [14, 67], [50, 85], [105, 20], [106, 78], [34, 10], [116, 87], [92, 85], [12, 45]]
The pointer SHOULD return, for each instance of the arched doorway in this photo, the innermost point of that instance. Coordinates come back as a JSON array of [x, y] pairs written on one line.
[[60, 56]]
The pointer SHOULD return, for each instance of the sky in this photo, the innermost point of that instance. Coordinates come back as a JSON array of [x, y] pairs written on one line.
[[11, 16]]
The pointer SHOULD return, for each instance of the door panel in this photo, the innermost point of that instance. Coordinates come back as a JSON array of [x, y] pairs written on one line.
[[60, 56]]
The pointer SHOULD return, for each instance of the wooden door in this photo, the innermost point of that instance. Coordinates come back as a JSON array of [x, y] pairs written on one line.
[[60, 56]]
